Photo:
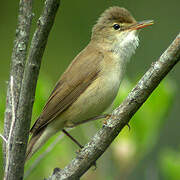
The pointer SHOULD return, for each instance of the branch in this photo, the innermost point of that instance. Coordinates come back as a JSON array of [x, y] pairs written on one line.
[[18, 62], [27, 91], [121, 116]]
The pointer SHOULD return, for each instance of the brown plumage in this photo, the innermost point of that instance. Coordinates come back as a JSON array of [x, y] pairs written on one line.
[[66, 91], [91, 82], [116, 14], [70, 87], [113, 14]]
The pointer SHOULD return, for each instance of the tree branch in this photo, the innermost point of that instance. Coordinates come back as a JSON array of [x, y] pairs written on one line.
[[18, 62], [121, 115], [26, 93]]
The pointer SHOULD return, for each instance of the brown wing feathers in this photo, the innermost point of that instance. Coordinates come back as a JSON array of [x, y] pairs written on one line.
[[69, 88]]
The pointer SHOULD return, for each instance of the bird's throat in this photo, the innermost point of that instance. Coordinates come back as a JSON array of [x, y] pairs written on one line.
[[125, 45]]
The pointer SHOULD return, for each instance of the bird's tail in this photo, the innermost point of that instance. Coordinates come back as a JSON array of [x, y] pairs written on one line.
[[40, 137], [34, 144]]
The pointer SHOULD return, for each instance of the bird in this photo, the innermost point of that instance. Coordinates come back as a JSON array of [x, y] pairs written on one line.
[[91, 82]]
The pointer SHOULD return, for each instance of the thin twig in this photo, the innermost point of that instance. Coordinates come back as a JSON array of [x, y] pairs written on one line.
[[121, 115], [8, 143], [3, 138], [13, 110]]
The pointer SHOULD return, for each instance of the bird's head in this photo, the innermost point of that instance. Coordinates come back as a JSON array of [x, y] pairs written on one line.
[[117, 23]]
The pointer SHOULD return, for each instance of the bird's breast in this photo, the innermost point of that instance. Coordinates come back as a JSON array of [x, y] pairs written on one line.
[[97, 97]]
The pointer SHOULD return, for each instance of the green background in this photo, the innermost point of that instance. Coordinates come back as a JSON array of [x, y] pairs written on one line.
[[151, 149]]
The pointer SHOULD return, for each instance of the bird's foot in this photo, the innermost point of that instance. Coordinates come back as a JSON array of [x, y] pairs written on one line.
[[106, 116], [129, 127], [94, 165]]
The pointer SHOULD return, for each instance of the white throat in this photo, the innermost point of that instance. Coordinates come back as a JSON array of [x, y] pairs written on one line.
[[126, 45]]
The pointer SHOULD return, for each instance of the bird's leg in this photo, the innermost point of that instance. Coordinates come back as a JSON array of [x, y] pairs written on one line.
[[87, 120], [73, 139]]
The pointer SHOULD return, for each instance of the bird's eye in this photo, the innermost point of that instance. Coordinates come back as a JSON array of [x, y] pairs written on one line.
[[116, 26]]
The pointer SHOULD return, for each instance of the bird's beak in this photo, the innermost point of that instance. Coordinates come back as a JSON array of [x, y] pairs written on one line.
[[141, 24]]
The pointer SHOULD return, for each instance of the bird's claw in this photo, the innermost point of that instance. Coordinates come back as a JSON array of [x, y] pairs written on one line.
[[107, 116], [94, 165], [129, 127]]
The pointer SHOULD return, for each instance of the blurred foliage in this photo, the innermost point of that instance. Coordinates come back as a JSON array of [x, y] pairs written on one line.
[[150, 150], [170, 164]]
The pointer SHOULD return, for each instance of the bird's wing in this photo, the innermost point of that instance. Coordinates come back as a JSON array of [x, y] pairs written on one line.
[[70, 86]]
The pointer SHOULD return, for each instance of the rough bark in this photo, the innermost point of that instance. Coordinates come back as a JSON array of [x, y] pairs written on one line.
[[18, 61], [22, 115]]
